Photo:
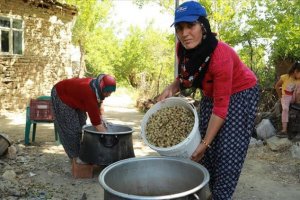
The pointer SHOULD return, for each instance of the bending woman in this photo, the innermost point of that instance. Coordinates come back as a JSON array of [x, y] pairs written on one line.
[[72, 99]]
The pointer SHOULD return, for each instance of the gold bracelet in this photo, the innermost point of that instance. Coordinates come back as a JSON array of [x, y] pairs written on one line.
[[205, 143]]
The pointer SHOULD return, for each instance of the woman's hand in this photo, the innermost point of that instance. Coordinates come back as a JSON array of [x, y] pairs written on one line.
[[169, 91], [101, 128], [199, 152], [214, 125], [165, 94]]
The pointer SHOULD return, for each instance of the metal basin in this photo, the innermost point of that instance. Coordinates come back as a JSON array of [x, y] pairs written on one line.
[[4, 143], [150, 178], [106, 148]]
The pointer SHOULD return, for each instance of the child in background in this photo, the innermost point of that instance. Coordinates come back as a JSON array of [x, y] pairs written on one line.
[[287, 83]]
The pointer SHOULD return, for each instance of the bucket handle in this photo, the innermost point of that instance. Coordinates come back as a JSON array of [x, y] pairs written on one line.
[[108, 141], [193, 106], [196, 196]]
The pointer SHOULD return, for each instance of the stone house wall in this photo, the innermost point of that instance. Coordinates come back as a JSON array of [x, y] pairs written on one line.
[[46, 57]]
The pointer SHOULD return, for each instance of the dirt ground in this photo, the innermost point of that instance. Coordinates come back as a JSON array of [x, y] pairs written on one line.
[[43, 171]]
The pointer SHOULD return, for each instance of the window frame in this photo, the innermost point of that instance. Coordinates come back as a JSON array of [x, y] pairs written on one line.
[[11, 31]]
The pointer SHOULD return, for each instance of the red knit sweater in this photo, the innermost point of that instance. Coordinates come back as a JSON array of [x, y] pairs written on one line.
[[78, 94], [226, 75]]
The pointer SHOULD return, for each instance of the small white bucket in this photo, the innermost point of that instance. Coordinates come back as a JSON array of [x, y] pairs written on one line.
[[185, 148]]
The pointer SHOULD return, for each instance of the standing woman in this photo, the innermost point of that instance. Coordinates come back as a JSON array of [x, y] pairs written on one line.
[[72, 99], [229, 97]]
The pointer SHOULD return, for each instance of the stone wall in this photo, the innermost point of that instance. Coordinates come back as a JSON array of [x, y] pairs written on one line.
[[46, 56]]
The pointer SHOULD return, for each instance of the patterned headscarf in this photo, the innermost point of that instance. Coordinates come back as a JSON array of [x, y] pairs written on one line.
[[193, 63], [108, 84], [103, 83]]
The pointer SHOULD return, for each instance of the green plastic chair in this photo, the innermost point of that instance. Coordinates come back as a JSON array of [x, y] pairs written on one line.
[[30, 122]]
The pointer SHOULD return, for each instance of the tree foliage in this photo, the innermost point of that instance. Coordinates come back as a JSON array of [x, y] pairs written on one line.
[[145, 57], [262, 31], [283, 19], [91, 15], [102, 51]]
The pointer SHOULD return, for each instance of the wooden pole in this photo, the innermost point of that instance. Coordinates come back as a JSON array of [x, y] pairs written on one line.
[[176, 40]]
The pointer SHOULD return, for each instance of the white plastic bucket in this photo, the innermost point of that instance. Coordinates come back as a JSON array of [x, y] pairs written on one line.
[[185, 148]]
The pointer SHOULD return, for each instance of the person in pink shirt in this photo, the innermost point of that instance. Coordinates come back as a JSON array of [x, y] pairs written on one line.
[[229, 99], [71, 100], [287, 88]]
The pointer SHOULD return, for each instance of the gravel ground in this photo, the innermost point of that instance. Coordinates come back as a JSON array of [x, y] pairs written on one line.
[[42, 170]]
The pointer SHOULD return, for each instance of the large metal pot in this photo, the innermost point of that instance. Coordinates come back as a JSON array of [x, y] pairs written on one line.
[[151, 178], [106, 148], [4, 143]]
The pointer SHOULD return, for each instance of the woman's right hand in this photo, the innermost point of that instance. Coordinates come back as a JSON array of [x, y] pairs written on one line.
[[169, 91], [165, 94], [101, 128]]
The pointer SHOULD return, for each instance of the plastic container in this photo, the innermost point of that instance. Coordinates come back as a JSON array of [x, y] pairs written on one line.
[[41, 110], [185, 148]]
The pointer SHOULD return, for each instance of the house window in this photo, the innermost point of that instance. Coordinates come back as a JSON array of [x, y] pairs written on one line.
[[11, 35]]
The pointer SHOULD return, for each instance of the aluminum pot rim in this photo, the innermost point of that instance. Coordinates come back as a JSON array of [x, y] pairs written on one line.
[[162, 197], [5, 138], [107, 133]]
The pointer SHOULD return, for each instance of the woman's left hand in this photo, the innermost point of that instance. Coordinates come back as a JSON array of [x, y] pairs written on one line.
[[199, 152], [214, 125]]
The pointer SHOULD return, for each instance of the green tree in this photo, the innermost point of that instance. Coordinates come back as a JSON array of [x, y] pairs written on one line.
[[91, 14], [102, 51], [283, 22], [146, 59]]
